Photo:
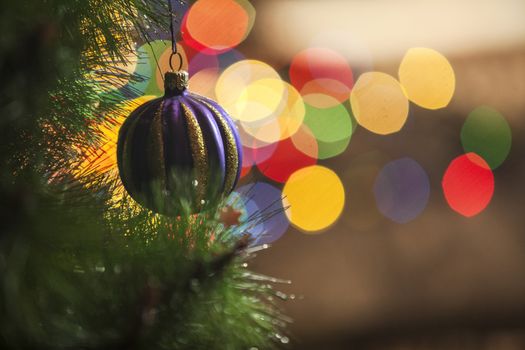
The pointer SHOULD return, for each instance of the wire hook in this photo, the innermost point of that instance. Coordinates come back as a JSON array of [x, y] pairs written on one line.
[[173, 54]]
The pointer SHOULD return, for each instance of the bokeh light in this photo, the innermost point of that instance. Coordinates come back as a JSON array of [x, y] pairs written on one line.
[[284, 161], [247, 161], [402, 190], [215, 26], [201, 61], [468, 184], [237, 78], [428, 78], [261, 154], [154, 50], [259, 100], [230, 57], [263, 217], [314, 198], [320, 72], [379, 103], [487, 133], [249, 140], [332, 127], [283, 122], [304, 140], [143, 71], [203, 82]]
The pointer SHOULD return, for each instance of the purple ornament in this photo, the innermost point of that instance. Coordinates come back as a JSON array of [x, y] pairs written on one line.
[[180, 153]]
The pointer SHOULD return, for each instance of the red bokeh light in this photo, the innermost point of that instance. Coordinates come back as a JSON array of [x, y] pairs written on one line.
[[321, 71], [468, 184], [284, 161], [247, 161]]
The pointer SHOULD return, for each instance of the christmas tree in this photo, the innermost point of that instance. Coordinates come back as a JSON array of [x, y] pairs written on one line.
[[81, 265]]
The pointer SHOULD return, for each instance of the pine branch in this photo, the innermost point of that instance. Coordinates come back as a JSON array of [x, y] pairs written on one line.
[[79, 269]]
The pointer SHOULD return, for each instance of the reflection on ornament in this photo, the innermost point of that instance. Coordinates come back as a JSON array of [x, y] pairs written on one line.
[[180, 152]]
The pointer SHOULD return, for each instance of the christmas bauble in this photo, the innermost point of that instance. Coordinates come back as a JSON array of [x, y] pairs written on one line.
[[179, 153]]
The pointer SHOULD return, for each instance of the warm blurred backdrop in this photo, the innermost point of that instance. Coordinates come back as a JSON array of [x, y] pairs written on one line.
[[442, 280]]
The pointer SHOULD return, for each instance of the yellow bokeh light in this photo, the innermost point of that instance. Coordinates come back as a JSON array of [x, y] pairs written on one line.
[[248, 140], [427, 77], [267, 133], [233, 82], [379, 103], [287, 118], [259, 100], [314, 197]]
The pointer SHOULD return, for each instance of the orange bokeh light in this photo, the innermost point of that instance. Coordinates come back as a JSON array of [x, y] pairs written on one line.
[[218, 24]]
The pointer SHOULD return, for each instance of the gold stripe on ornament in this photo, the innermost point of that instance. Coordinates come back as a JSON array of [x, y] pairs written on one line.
[[232, 156], [156, 150], [199, 153]]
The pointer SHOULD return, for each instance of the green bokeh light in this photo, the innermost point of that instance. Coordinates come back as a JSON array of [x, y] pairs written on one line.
[[332, 128], [487, 133]]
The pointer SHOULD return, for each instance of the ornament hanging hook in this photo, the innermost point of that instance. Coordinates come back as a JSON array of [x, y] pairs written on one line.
[[174, 51], [175, 54]]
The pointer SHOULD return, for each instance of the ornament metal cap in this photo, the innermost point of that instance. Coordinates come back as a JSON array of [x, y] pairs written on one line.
[[175, 82]]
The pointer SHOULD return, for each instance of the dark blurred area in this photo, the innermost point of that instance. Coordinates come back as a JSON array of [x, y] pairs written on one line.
[[441, 281]]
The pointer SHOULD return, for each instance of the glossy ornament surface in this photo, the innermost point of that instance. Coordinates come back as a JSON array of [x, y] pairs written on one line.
[[179, 153]]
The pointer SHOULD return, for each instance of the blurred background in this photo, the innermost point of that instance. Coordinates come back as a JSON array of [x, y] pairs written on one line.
[[440, 280], [386, 140]]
